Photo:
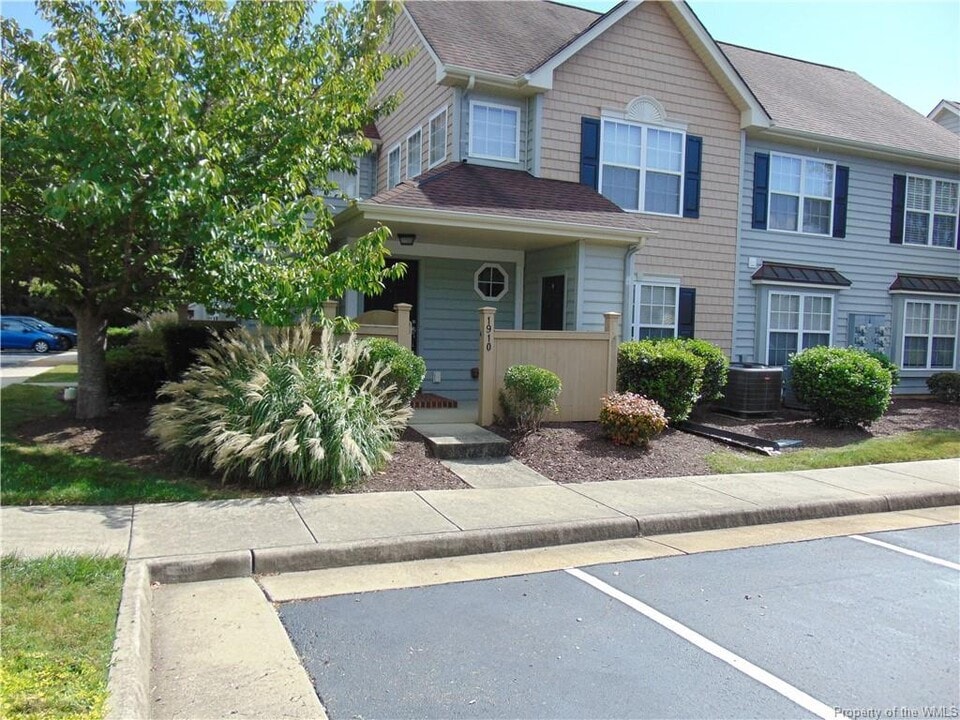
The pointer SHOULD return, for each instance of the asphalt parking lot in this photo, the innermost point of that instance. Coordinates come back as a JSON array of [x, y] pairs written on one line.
[[859, 626]]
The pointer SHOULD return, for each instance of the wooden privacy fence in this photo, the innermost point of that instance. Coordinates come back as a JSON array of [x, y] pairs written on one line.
[[380, 323], [586, 363]]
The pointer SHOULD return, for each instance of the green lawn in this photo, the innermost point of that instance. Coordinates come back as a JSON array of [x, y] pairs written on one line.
[[919, 445], [59, 615], [58, 374], [44, 475]]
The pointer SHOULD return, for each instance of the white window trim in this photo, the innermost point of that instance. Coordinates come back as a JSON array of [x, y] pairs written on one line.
[[511, 108], [506, 282], [396, 148], [406, 151], [931, 213], [433, 163], [930, 336], [800, 329], [801, 196], [642, 168], [635, 320]]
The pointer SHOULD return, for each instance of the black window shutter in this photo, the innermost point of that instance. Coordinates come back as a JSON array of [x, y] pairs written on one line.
[[691, 177], [761, 186], [589, 151], [686, 312], [897, 208], [841, 187]]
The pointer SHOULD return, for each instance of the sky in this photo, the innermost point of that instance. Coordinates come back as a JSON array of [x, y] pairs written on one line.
[[908, 48]]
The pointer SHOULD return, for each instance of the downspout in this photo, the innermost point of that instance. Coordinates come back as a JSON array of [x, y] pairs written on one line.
[[737, 259], [629, 272]]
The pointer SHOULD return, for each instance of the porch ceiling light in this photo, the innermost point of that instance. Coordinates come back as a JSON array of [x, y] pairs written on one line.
[[406, 239]]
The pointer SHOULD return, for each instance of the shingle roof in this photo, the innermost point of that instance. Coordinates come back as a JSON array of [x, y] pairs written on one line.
[[800, 274], [460, 187], [507, 37], [805, 96], [927, 283]]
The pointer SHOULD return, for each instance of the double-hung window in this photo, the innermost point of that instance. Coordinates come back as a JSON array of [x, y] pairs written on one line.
[[655, 310], [393, 167], [494, 132], [929, 334], [346, 181], [931, 212], [414, 153], [797, 321], [801, 194], [438, 138], [641, 167]]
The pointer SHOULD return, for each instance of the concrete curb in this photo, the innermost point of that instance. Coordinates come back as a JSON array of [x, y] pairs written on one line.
[[128, 684], [129, 681]]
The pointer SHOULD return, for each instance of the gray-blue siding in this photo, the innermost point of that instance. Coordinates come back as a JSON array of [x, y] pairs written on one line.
[[448, 332], [865, 256], [539, 264]]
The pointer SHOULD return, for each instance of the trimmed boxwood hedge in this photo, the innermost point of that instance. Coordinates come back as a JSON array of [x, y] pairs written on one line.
[[662, 371]]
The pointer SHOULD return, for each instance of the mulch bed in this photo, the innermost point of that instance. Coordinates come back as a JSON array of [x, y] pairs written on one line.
[[575, 452], [565, 452]]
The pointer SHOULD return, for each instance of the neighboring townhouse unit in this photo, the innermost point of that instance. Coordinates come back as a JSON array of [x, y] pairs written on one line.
[[849, 230], [947, 113], [557, 164]]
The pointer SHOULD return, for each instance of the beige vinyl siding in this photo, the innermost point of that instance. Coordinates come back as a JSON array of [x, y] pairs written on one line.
[[421, 98], [645, 54]]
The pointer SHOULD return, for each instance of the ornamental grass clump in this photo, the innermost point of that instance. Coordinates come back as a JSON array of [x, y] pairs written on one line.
[[528, 392], [843, 387], [264, 408], [631, 419]]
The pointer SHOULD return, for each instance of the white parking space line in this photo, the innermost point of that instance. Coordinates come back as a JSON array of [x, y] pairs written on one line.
[[905, 551], [785, 689]]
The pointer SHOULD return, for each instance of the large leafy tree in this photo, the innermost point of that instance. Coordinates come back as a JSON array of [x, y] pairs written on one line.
[[174, 153]]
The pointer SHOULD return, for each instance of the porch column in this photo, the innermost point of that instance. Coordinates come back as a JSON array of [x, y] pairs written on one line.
[[404, 331], [488, 367], [611, 326]]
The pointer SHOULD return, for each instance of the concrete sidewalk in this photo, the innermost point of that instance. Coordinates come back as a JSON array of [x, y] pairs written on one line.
[[230, 538]]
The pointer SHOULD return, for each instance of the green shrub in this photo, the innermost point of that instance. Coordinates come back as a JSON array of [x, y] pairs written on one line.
[[134, 372], [842, 386], [663, 372], [888, 365], [945, 386], [264, 408], [528, 392], [630, 419], [149, 331], [715, 371], [120, 336], [404, 369]]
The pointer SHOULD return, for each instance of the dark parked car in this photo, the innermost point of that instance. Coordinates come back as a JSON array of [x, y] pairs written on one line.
[[20, 335], [68, 336]]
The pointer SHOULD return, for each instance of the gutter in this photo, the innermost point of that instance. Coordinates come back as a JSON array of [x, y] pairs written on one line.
[[626, 318]]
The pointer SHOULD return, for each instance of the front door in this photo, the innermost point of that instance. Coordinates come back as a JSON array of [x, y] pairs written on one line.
[[403, 290], [552, 303]]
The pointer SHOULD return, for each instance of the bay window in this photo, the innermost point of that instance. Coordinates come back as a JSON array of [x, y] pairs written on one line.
[[797, 321], [929, 334]]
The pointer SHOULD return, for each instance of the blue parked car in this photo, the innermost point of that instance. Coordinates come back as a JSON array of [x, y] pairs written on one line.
[[20, 335], [68, 336]]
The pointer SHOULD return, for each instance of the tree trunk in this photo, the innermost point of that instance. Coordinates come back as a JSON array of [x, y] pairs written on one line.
[[92, 399]]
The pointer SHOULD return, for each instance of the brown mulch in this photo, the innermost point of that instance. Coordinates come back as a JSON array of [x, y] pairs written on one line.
[[575, 452], [121, 436], [565, 452]]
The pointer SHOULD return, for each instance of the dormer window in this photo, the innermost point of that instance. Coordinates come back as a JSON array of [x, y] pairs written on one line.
[[494, 132], [641, 167]]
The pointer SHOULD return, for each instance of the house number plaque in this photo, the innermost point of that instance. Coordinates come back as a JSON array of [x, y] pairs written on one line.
[[489, 331]]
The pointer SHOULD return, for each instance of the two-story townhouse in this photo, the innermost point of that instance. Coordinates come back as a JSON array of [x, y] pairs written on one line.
[[849, 222], [557, 164]]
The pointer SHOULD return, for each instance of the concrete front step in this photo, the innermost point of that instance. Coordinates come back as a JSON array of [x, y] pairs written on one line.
[[462, 441]]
